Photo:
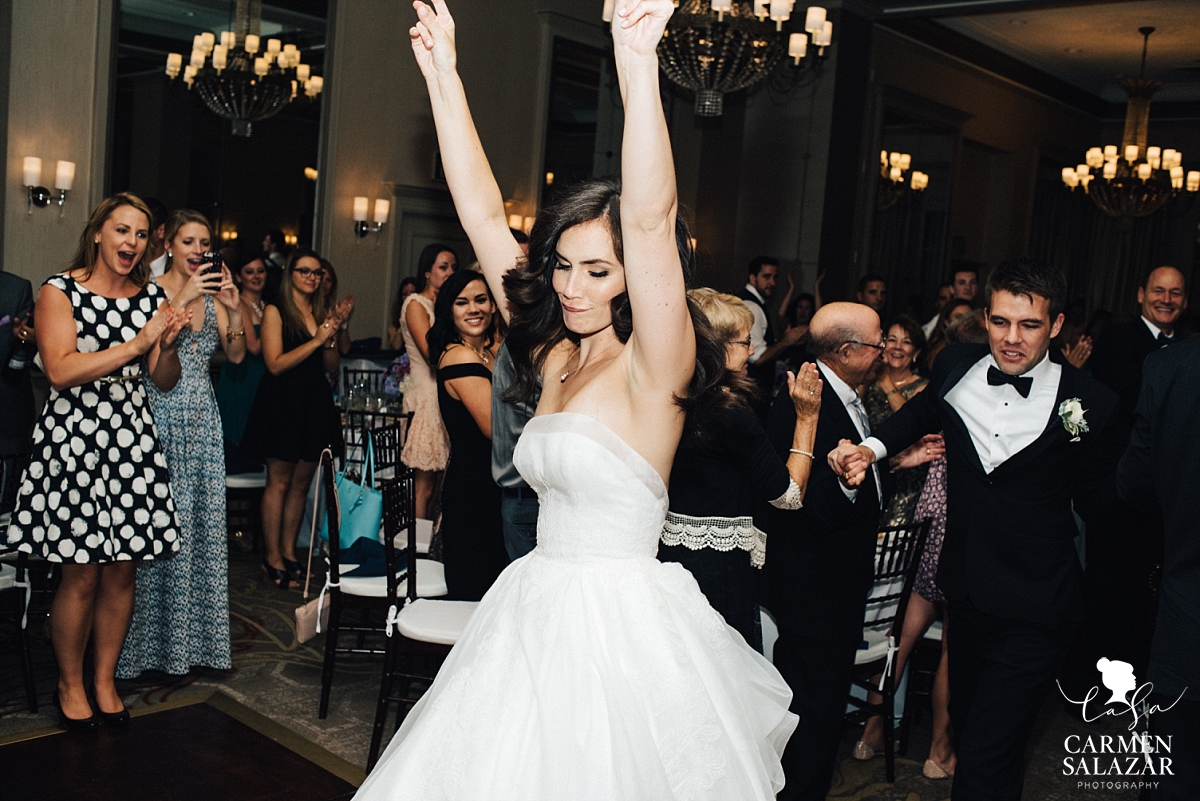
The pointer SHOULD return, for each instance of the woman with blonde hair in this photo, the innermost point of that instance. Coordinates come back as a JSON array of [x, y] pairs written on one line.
[[96, 495], [293, 418], [725, 466], [181, 607]]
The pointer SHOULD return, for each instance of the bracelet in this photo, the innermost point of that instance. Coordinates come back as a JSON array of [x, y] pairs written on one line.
[[230, 336], [802, 453]]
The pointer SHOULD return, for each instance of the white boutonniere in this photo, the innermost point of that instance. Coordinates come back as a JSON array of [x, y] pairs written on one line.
[[1071, 413]]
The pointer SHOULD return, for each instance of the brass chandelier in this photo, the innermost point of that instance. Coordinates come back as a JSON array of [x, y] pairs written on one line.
[[1135, 180]]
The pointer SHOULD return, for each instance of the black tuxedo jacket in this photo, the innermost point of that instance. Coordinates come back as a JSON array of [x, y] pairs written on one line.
[[820, 558], [1117, 361], [1163, 465], [1009, 545], [16, 395]]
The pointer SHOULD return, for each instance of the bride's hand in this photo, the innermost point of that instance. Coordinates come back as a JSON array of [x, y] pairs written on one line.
[[433, 39], [638, 25]]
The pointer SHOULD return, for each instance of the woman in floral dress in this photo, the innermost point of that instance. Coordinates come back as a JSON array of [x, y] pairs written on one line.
[[181, 612], [96, 496]]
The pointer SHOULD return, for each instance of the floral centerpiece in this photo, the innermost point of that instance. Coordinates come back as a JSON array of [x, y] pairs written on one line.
[[397, 377]]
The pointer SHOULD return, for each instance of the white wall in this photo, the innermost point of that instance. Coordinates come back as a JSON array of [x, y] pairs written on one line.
[[58, 99]]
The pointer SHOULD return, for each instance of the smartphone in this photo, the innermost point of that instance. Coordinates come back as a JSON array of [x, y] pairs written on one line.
[[215, 259]]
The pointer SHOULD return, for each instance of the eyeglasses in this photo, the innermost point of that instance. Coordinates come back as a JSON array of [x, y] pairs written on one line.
[[304, 272], [880, 347], [743, 342]]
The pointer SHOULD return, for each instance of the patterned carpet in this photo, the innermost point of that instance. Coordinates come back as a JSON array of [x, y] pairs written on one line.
[[280, 679]]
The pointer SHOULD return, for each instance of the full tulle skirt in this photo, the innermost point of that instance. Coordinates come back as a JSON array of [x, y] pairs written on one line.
[[593, 678]]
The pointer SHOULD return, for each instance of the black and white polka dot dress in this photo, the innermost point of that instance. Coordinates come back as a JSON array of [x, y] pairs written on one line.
[[96, 489]]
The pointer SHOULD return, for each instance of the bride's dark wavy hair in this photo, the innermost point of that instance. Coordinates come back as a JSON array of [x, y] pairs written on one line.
[[537, 319]]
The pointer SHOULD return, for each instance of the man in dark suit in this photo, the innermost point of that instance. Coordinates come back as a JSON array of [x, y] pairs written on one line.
[[1124, 550], [16, 391], [1163, 465], [761, 277], [821, 556], [1028, 438]]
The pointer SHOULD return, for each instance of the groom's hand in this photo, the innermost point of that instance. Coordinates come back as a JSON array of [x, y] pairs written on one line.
[[850, 462]]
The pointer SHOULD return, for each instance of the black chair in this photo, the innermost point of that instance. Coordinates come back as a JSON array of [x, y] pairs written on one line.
[[416, 627], [389, 430], [15, 581], [896, 559], [372, 595], [922, 671], [361, 384]]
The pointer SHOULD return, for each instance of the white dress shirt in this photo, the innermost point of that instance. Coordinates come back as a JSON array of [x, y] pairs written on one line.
[[858, 416], [1001, 423], [758, 331], [1154, 329], [927, 329], [158, 266]]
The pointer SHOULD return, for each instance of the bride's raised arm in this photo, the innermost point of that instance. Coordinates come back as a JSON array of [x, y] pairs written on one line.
[[476, 195], [663, 342]]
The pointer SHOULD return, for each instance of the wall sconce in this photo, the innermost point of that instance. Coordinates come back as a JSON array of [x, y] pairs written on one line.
[[64, 179], [361, 226], [310, 173], [520, 223], [229, 235]]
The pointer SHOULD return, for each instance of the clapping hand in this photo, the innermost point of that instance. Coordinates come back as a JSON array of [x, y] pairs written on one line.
[[176, 320], [1077, 356], [805, 390], [433, 39], [638, 26], [163, 328], [850, 462]]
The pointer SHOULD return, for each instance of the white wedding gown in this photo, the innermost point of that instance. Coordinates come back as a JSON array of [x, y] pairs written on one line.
[[591, 670]]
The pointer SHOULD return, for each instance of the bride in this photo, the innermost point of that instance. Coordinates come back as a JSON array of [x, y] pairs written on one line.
[[590, 670]]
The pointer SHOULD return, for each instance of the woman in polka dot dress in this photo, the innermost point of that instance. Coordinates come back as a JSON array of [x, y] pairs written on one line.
[[96, 496]]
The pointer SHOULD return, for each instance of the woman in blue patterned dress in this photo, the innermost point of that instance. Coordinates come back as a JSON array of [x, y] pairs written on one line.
[[96, 496], [181, 612]]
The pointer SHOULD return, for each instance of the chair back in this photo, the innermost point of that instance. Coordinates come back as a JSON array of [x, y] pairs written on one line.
[[389, 431], [897, 557], [400, 518], [333, 514], [362, 384]]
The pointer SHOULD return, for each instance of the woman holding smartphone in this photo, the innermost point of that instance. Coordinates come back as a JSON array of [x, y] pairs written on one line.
[[181, 608], [293, 418]]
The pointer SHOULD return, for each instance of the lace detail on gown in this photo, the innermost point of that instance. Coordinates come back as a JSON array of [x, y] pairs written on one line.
[[590, 670], [717, 533]]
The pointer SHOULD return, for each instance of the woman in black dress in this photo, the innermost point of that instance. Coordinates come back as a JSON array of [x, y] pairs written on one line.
[[461, 344], [96, 495], [293, 418], [725, 466]]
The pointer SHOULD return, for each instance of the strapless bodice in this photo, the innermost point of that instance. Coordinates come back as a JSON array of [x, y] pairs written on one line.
[[598, 497]]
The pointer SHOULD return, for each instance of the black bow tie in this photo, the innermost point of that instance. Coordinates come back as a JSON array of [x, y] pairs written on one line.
[[1021, 384], [1164, 340]]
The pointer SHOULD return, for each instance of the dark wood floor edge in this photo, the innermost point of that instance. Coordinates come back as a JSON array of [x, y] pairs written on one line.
[[347, 771]]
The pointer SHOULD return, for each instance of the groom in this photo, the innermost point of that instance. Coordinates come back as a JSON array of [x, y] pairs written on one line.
[[1028, 438]]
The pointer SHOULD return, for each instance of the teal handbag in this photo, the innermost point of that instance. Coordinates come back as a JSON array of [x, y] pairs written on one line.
[[361, 504]]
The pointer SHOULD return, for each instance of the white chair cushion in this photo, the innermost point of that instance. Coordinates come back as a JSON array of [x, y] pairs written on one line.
[[8, 577], [770, 633], [246, 480], [424, 534], [439, 622], [431, 582], [877, 646], [934, 632]]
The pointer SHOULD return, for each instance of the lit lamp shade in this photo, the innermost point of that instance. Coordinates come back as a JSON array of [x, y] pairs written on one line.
[[33, 171], [220, 55], [1131, 153], [814, 19], [1144, 170], [1082, 170], [1193, 181], [274, 45], [197, 59], [781, 11], [1110, 152], [1069, 177], [896, 175], [1154, 157], [382, 207], [251, 44], [883, 158], [261, 67], [360, 209], [760, 9], [1177, 177], [797, 46], [905, 161], [209, 40], [824, 37], [64, 175], [198, 42], [228, 39], [515, 221], [1110, 170], [174, 63], [894, 159], [315, 84], [1094, 157], [302, 72]]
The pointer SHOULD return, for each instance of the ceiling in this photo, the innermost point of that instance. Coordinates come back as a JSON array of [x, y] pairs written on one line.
[[1094, 47]]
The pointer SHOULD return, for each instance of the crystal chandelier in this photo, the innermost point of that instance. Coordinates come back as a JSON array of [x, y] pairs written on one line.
[[237, 83], [714, 47], [1136, 180], [891, 186]]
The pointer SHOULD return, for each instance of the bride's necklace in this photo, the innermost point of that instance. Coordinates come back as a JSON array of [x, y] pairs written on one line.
[[484, 355]]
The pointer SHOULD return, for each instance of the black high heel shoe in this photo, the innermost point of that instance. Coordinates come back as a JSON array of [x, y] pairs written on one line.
[[280, 578], [113, 718], [295, 569], [75, 725]]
